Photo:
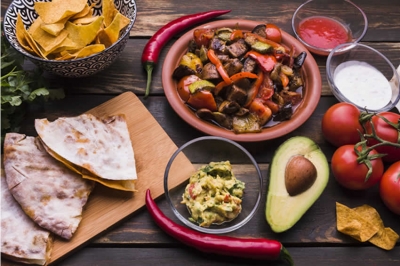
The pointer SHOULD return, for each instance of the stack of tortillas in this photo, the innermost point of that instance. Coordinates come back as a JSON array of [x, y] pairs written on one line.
[[48, 179]]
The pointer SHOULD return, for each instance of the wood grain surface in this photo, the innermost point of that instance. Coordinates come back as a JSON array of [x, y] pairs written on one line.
[[136, 239], [153, 148]]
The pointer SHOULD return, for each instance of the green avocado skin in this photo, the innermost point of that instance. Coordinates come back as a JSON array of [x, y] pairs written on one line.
[[283, 211]]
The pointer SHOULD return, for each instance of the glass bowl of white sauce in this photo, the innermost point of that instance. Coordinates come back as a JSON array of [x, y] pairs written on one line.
[[363, 76]]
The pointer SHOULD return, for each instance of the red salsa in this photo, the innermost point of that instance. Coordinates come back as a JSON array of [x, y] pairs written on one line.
[[323, 32]]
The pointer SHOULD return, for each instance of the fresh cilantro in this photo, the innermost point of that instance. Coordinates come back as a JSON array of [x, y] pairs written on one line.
[[19, 88]]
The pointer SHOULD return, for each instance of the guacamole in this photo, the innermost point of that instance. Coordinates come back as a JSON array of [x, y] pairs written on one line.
[[213, 195]]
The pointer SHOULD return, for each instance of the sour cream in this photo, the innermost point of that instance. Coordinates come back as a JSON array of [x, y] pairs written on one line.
[[363, 84]]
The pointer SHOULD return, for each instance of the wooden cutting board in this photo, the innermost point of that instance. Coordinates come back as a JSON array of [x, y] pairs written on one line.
[[153, 148]]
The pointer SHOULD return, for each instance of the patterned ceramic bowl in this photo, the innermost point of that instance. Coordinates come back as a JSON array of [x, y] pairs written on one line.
[[69, 68]]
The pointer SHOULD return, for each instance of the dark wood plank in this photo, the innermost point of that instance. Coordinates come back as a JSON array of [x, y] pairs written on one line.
[[171, 256]]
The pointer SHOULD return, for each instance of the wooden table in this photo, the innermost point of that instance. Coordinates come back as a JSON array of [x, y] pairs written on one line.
[[137, 240]]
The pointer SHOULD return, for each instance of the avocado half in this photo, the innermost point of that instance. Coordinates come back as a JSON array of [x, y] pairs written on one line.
[[282, 210]]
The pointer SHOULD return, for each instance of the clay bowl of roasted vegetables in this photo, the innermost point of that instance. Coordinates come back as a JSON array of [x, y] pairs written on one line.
[[221, 193], [243, 80]]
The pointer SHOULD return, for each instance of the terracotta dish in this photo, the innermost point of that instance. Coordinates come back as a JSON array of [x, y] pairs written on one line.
[[311, 76]]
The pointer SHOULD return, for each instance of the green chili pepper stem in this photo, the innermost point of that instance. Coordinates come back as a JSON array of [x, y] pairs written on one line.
[[149, 66]]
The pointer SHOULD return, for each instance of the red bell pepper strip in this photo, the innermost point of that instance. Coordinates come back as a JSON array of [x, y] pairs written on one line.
[[202, 99], [263, 112], [153, 47], [253, 91], [275, 45], [252, 248], [266, 90], [284, 79], [236, 34], [266, 62], [220, 68], [272, 105], [234, 78]]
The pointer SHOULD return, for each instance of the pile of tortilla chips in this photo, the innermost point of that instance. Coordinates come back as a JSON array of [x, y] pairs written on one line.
[[365, 224], [67, 29]]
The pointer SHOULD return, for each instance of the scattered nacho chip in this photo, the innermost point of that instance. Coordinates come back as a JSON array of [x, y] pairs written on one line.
[[351, 223], [385, 238], [365, 224]]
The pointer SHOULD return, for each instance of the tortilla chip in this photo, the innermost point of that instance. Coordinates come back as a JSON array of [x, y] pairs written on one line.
[[385, 238], [349, 222], [119, 22], [64, 28], [365, 224], [20, 32], [83, 35], [108, 11], [46, 41], [57, 10], [86, 11], [90, 50], [102, 37], [54, 28]]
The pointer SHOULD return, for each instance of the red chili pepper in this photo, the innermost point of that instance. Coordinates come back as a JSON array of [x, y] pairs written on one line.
[[266, 61], [153, 47], [253, 248]]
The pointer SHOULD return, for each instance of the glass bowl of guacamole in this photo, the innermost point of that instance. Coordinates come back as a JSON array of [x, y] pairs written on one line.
[[213, 185]]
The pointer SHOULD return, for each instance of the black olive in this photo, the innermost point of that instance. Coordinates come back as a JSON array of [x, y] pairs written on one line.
[[284, 113], [299, 60]]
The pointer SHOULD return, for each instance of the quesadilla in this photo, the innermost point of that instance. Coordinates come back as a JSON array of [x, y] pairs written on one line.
[[22, 239], [98, 149], [49, 193]]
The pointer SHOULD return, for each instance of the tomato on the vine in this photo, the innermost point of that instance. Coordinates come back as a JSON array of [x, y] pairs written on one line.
[[351, 174], [387, 133], [340, 125], [390, 188]]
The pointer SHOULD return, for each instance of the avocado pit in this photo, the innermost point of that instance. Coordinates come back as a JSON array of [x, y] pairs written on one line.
[[300, 175]]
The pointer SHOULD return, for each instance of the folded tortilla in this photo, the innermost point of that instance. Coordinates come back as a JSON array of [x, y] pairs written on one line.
[[98, 149]]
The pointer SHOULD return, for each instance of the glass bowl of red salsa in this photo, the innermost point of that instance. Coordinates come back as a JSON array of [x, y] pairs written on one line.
[[321, 25]]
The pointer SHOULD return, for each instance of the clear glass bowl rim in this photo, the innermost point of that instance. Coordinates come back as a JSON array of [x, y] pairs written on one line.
[[321, 49], [203, 229], [336, 91]]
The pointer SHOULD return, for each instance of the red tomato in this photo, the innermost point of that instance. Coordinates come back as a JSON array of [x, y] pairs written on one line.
[[390, 188], [203, 36], [340, 124], [386, 132], [273, 32], [351, 174], [183, 86]]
